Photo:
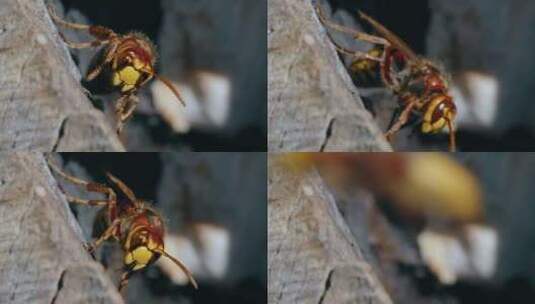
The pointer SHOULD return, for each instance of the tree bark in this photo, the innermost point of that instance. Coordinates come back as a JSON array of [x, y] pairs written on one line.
[[313, 257], [42, 259], [42, 104], [312, 103]]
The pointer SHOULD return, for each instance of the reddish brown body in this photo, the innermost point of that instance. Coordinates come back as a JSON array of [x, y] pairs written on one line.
[[147, 220], [420, 86], [131, 46], [130, 58], [131, 221]]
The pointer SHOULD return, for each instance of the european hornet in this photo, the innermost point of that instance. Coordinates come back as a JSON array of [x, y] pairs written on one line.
[[422, 88], [131, 221], [126, 61]]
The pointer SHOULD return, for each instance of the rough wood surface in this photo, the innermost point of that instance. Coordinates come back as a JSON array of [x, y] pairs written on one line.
[[41, 255], [313, 257], [312, 103], [42, 104]]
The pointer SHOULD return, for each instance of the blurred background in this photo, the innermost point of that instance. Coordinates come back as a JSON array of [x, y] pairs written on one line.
[[214, 208], [486, 46], [439, 227], [215, 54]]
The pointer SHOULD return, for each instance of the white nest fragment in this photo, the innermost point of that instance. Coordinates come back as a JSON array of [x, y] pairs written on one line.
[[453, 257], [207, 98], [205, 253], [476, 96]]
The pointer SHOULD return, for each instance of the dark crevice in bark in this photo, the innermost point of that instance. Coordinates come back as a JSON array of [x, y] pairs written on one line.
[[328, 134], [61, 132], [327, 286], [60, 286]]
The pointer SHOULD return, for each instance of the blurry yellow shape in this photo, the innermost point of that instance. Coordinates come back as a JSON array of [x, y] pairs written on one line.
[[427, 185], [437, 186], [297, 162]]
